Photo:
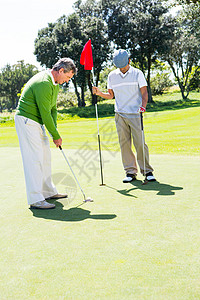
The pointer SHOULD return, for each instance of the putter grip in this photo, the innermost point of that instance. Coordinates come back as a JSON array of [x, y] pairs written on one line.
[[60, 147], [141, 118]]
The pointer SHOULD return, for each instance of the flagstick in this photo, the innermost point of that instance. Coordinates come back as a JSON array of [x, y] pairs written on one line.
[[86, 59], [99, 147], [98, 136], [93, 75]]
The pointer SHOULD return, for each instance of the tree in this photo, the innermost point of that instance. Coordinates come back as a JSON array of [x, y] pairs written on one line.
[[115, 14], [190, 19], [184, 53], [160, 78], [12, 79], [143, 27], [70, 40], [45, 46], [62, 39], [182, 2], [67, 38], [90, 13]]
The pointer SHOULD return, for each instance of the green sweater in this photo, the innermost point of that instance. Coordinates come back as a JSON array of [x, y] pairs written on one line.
[[38, 102]]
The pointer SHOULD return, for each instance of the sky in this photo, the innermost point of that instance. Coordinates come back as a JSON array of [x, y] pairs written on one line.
[[20, 21]]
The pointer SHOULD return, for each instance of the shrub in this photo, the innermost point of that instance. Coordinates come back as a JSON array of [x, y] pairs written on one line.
[[195, 79], [66, 99], [104, 110], [159, 83]]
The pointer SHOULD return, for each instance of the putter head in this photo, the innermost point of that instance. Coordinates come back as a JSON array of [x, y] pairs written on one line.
[[88, 199], [145, 182]]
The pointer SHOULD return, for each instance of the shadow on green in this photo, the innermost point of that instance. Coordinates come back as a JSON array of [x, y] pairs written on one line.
[[161, 188], [74, 214], [124, 192]]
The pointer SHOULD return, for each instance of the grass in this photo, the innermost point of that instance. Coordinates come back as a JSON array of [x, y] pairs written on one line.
[[167, 132], [167, 101], [134, 241]]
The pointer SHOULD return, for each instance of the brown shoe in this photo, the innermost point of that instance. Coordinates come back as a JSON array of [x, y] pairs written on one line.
[[58, 196], [42, 205]]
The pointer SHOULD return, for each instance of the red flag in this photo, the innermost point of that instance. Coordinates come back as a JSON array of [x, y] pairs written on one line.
[[86, 56]]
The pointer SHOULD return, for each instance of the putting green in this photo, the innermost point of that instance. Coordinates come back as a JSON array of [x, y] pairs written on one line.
[[133, 242]]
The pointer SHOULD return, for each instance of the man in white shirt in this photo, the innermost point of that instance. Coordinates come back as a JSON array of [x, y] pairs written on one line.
[[129, 88]]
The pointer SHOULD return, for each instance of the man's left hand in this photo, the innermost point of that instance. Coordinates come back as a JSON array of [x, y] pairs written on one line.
[[142, 109]]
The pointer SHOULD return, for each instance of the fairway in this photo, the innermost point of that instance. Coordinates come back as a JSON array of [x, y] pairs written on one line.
[[134, 241], [168, 132]]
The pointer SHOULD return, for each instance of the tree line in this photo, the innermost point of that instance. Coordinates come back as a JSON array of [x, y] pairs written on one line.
[[145, 28], [12, 79]]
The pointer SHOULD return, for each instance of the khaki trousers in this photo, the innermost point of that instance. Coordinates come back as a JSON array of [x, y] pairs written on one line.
[[127, 128]]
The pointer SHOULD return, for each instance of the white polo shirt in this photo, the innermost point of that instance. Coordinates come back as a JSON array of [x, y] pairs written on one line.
[[126, 88]]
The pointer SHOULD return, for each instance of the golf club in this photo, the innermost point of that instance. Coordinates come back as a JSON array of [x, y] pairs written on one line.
[[142, 128], [88, 199]]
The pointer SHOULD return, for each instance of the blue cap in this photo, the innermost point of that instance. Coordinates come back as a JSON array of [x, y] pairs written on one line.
[[120, 58]]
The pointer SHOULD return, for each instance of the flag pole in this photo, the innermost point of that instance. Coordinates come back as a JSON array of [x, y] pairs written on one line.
[[86, 59], [99, 141], [93, 75]]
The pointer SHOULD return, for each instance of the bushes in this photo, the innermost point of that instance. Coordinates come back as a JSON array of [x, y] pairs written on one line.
[[66, 99], [159, 83], [195, 79], [104, 110]]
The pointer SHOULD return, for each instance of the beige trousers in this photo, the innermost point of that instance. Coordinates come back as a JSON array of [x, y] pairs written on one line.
[[127, 128], [36, 157]]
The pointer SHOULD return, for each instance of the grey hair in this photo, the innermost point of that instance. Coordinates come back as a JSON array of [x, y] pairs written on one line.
[[67, 64]]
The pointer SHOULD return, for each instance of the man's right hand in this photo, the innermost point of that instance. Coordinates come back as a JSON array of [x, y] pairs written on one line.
[[95, 90], [109, 95], [58, 142]]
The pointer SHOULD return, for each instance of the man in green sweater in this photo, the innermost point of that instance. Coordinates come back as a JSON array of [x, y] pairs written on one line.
[[36, 109]]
